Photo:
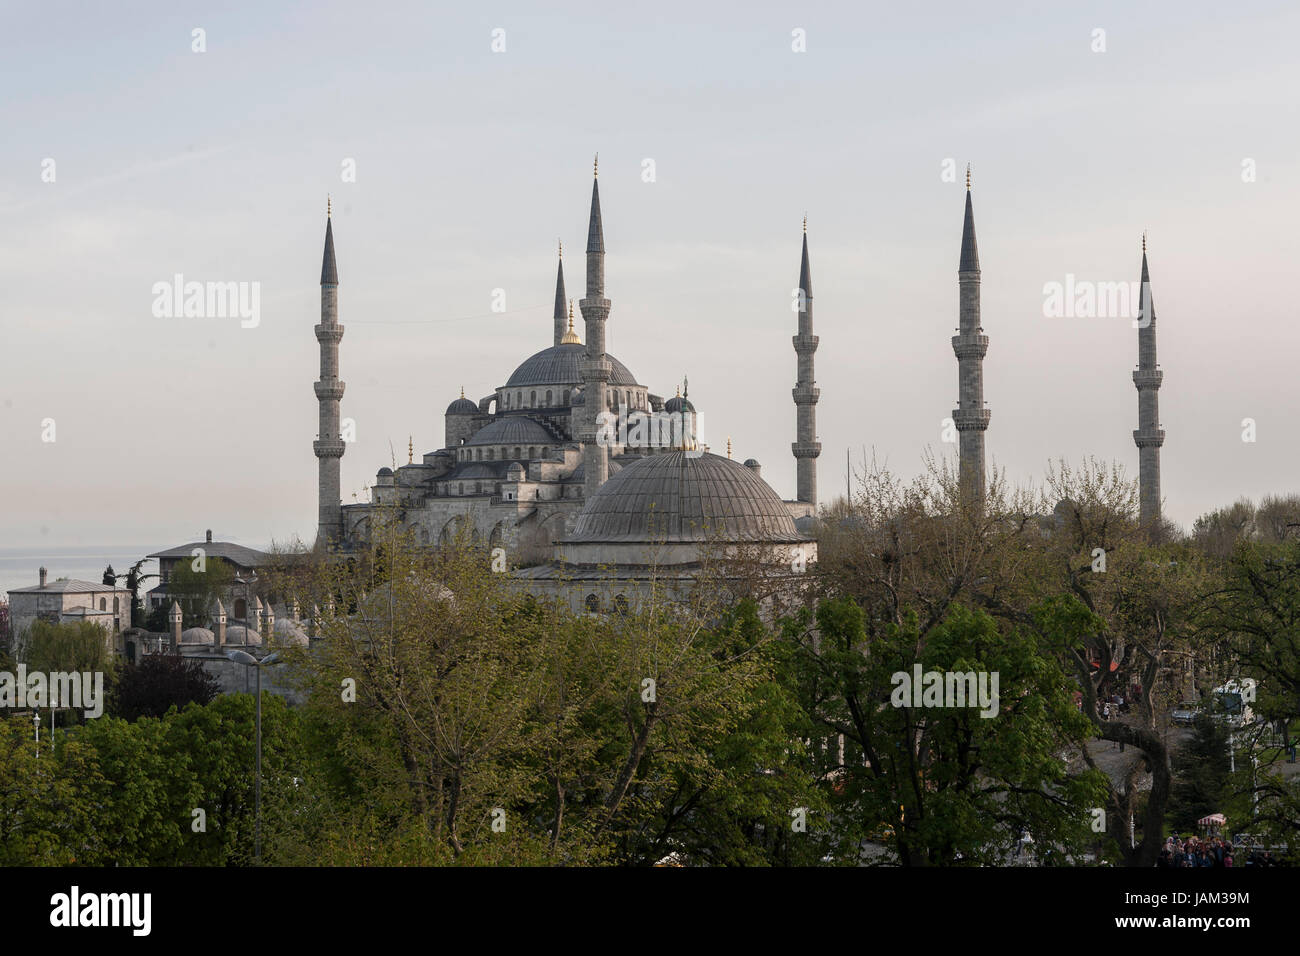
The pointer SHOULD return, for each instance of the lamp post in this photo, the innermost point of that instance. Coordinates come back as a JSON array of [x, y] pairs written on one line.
[[248, 660]]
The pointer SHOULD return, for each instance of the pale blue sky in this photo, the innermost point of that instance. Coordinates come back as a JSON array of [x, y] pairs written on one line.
[[470, 164]]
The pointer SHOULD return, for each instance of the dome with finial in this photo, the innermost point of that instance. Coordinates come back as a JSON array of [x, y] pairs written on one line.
[[462, 405], [679, 403], [562, 365]]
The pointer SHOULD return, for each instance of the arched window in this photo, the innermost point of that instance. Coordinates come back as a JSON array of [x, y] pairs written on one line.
[[593, 603], [491, 452], [548, 398], [480, 454], [506, 396], [460, 487], [103, 604], [620, 604], [532, 399], [546, 452], [516, 452], [566, 396], [241, 609], [532, 452]]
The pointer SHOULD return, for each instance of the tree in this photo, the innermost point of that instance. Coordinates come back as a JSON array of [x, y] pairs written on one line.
[[937, 784], [1202, 768], [69, 646], [157, 682], [197, 589]]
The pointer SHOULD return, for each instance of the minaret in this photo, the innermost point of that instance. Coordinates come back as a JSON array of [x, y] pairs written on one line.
[[1149, 435], [806, 448], [558, 314], [596, 368], [970, 346], [329, 390]]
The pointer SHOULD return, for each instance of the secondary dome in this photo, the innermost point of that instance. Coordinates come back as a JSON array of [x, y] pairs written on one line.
[[562, 365], [682, 496], [462, 406], [514, 430], [197, 635]]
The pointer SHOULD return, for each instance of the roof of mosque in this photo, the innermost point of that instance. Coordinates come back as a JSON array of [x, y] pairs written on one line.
[[562, 365], [685, 496], [511, 430]]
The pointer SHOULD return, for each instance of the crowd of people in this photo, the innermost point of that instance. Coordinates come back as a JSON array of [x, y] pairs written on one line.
[[1210, 851]]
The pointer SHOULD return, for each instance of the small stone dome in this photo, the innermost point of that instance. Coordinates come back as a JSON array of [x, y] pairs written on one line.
[[198, 635], [515, 472], [462, 406], [678, 404], [384, 472], [238, 634], [291, 633], [751, 462]]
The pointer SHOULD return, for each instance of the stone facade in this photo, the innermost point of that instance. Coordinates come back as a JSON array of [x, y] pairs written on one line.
[[970, 345]]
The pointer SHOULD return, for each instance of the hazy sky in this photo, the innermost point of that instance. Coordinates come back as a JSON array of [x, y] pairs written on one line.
[[470, 164]]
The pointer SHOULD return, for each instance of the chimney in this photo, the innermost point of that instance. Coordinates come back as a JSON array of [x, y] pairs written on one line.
[[42, 577], [209, 536]]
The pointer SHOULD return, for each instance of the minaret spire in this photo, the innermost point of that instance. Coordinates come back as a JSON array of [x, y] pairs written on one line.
[[1147, 378], [970, 346], [806, 448], [558, 314], [596, 368], [329, 445]]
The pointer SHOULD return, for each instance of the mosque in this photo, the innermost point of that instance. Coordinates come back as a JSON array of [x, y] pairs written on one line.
[[558, 468]]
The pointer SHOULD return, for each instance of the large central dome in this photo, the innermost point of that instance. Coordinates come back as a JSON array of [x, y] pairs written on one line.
[[561, 365], [683, 496]]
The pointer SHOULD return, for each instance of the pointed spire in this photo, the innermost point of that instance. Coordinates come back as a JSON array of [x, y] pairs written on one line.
[[1146, 298], [557, 315], [595, 233], [970, 254], [410, 449], [329, 272], [686, 387], [462, 391], [805, 271], [728, 447]]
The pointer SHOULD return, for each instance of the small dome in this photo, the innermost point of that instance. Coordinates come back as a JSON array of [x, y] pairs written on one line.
[[515, 472], [678, 404], [462, 406], [198, 635], [238, 634], [287, 632], [751, 462], [514, 430], [384, 472]]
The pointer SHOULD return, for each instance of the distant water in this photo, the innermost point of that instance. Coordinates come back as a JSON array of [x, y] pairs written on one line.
[[20, 567]]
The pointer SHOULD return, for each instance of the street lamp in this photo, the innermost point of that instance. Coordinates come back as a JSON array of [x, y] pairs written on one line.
[[248, 660]]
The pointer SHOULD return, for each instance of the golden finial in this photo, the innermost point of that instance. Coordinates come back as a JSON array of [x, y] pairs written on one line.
[[462, 391], [968, 175], [329, 209], [1144, 242], [561, 242], [595, 166], [728, 446], [570, 337], [410, 449], [805, 224], [679, 391]]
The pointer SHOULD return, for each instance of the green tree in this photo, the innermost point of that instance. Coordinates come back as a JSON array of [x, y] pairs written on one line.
[[1202, 766]]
